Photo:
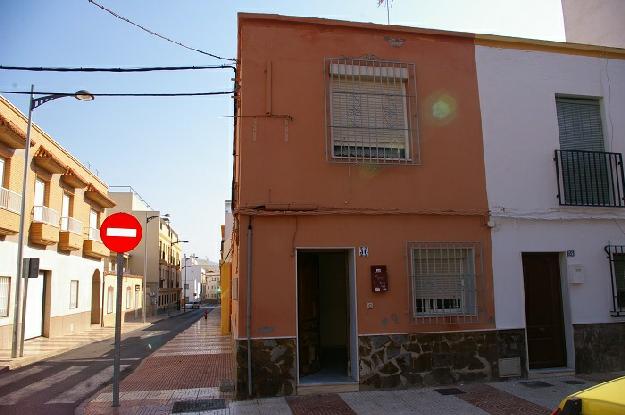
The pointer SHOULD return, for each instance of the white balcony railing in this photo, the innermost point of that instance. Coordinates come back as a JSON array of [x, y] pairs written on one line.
[[46, 215], [69, 224], [10, 200], [94, 235]]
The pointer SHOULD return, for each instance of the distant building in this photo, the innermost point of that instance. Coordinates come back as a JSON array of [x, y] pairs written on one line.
[[65, 204], [202, 279], [595, 22], [164, 253]]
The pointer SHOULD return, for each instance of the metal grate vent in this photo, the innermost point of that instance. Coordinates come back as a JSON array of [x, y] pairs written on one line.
[[450, 391], [198, 405], [371, 111], [509, 367]]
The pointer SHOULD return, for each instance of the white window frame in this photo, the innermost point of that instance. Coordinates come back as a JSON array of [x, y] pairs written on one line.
[[128, 298], [74, 289], [5, 295], [110, 292]]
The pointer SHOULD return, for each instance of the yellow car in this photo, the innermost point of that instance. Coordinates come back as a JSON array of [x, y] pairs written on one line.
[[606, 398]]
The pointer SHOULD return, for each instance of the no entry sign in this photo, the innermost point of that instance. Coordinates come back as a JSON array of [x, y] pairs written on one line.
[[121, 232]]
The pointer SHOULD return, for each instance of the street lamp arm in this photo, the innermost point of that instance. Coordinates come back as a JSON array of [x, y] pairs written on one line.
[[36, 102]]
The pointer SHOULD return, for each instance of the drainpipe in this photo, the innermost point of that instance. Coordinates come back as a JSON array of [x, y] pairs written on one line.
[[102, 304], [248, 317]]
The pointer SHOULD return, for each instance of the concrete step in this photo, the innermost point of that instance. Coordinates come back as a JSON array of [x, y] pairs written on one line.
[[321, 388], [551, 372]]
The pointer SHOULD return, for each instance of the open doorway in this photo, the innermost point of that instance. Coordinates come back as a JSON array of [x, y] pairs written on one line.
[[326, 317]]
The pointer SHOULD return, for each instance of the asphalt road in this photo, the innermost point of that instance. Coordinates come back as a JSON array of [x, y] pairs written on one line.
[[59, 384]]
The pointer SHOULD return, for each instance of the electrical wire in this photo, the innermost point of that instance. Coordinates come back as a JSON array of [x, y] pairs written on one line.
[[170, 94], [153, 33], [94, 69]]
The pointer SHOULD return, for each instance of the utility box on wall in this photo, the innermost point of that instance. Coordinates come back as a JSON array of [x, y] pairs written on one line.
[[379, 279]]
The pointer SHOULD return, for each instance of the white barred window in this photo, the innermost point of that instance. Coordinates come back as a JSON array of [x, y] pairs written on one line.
[[5, 290], [444, 278], [73, 294], [371, 111]]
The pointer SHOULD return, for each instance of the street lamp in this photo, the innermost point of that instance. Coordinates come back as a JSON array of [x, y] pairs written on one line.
[[165, 217], [34, 103]]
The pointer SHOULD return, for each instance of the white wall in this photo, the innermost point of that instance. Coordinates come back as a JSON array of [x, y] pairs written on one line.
[[597, 22], [64, 268], [519, 121]]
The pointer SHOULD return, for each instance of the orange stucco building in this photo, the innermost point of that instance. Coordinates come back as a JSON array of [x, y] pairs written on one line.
[[360, 206]]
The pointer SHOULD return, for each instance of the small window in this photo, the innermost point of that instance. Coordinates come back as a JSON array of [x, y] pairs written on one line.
[[73, 294], [371, 111], [444, 279], [5, 291], [109, 303], [128, 297]]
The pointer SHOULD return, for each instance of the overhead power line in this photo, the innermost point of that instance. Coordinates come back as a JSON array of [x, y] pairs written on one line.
[[151, 94], [153, 33], [93, 69]]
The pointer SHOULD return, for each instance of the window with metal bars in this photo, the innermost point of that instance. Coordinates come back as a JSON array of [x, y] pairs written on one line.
[[443, 279], [616, 256], [73, 294], [587, 174], [5, 290], [370, 115]]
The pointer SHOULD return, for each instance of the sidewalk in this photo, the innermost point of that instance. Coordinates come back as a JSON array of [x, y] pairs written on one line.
[[190, 373], [42, 348]]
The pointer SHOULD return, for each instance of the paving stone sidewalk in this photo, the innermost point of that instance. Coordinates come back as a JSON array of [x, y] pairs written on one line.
[[193, 370], [193, 374]]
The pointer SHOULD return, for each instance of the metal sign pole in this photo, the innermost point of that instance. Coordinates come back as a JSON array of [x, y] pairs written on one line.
[[24, 278], [118, 327]]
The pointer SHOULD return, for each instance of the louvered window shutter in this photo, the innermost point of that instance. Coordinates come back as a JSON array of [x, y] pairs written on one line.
[[585, 169]]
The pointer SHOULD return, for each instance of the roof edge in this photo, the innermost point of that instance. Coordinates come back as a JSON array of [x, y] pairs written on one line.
[[483, 39]]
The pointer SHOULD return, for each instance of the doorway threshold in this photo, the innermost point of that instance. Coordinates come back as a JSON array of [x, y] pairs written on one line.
[[327, 387], [550, 372]]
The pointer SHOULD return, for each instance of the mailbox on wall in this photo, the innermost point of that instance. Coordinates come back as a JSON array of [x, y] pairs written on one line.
[[379, 279]]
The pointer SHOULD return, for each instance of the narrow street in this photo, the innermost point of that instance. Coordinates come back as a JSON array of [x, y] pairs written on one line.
[[59, 384]]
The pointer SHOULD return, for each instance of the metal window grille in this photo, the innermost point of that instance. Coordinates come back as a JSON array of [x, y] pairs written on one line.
[[371, 111], [73, 294], [5, 291], [444, 281], [616, 256]]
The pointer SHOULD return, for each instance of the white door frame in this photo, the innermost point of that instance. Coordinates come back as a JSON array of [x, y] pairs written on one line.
[[353, 308]]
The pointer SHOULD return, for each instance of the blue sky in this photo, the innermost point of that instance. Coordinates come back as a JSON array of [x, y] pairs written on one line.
[[176, 152]]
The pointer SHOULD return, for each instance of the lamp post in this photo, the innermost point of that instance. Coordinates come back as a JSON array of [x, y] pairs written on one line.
[[184, 308], [18, 327], [145, 259]]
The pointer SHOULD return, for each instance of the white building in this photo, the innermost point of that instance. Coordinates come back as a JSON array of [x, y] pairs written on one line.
[[554, 134], [202, 280]]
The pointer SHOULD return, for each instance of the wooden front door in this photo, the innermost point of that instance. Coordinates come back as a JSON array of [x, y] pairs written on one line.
[[543, 310]]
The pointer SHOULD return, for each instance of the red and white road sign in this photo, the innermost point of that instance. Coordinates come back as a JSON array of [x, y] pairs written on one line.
[[121, 232]]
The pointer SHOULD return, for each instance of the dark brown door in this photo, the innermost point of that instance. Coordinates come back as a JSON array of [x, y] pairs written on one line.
[[308, 313], [543, 310]]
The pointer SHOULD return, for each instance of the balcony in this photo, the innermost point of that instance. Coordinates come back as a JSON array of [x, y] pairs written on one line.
[[9, 212], [44, 230], [590, 178], [93, 246], [70, 236]]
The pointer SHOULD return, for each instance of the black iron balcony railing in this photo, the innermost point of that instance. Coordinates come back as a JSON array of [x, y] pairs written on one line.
[[590, 178]]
